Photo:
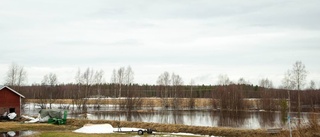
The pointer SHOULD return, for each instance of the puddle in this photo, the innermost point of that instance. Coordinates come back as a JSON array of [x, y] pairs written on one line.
[[17, 133]]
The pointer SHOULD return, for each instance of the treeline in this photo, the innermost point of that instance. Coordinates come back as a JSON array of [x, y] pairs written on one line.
[[70, 91], [226, 97]]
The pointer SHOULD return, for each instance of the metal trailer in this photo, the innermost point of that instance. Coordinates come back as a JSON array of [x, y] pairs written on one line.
[[140, 131]]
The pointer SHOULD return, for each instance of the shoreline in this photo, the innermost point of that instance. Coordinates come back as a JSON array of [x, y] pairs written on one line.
[[73, 124]]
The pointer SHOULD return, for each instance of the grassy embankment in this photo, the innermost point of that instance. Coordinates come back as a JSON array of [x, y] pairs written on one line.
[[48, 130], [72, 124]]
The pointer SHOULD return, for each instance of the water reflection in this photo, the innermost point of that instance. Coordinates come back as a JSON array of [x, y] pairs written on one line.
[[229, 118], [240, 119], [268, 119], [198, 117], [17, 133]]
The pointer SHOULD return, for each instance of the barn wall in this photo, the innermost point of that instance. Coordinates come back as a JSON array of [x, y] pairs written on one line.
[[9, 99]]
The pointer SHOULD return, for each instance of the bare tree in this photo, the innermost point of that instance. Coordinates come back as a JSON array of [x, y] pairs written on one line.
[[242, 81], [132, 100], [98, 79], [113, 80], [77, 97], [22, 76], [266, 83], [299, 74], [120, 77], [113, 76], [228, 96], [176, 83], [312, 85], [49, 82], [223, 80], [267, 100], [191, 98], [16, 75], [87, 79], [287, 83], [164, 81], [311, 96], [50, 79], [129, 77]]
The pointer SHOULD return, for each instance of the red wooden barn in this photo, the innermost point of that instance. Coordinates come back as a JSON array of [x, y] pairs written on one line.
[[10, 100]]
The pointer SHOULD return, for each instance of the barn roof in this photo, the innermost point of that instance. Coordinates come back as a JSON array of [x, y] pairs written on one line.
[[2, 87]]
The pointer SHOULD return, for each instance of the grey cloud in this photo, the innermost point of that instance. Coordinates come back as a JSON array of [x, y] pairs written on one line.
[[184, 9], [228, 35], [295, 14], [125, 42]]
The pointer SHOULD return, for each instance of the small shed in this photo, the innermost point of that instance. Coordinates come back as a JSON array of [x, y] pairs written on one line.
[[10, 100]]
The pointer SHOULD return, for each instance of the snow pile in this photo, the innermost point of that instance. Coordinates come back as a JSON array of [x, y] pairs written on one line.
[[27, 117], [11, 133], [12, 115], [35, 120], [32, 120], [96, 128]]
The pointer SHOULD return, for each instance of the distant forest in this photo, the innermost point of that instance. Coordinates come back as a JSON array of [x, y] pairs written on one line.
[[228, 96]]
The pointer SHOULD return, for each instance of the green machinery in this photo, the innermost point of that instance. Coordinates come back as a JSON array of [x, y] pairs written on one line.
[[59, 121]]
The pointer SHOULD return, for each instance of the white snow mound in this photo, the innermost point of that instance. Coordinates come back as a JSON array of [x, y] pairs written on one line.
[[95, 129]]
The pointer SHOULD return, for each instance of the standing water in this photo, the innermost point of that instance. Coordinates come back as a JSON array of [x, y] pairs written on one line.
[[196, 117]]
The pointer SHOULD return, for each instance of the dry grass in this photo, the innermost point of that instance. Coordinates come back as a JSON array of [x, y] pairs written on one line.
[[18, 126], [49, 130], [152, 102], [183, 102], [72, 134], [176, 128], [73, 124]]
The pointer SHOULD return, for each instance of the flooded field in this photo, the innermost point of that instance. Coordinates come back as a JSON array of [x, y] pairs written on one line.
[[195, 117]]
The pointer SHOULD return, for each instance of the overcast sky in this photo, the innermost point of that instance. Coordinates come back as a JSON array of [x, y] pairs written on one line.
[[196, 39]]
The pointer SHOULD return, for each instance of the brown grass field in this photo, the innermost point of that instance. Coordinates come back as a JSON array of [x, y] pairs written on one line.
[[152, 102]]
